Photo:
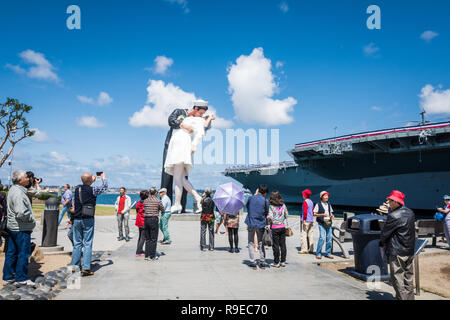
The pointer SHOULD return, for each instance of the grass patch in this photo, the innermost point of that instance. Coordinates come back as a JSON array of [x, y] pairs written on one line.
[[104, 211]]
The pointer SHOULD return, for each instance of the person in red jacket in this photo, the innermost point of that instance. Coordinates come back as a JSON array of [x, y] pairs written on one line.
[[140, 222]]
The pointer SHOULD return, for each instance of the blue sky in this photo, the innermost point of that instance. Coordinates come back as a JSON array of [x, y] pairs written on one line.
[[336, 72]]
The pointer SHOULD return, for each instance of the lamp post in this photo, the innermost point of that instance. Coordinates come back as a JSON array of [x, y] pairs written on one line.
[[10, 174]]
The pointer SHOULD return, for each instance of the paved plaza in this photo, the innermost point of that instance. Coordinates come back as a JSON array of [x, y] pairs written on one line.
[[185, 272]]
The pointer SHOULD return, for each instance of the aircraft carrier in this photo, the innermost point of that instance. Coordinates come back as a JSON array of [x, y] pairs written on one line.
[[360, 170]]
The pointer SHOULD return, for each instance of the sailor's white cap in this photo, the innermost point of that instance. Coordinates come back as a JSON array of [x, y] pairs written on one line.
[[200, 103]]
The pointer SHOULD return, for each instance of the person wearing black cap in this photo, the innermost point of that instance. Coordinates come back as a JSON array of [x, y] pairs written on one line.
[[175, 121]]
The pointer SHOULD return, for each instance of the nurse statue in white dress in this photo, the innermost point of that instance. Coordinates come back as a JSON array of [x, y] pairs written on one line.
[[180, 153]]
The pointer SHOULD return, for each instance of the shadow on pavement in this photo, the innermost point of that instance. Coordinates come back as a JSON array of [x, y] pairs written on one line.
[[224, 249], [376, 295], [97, 266]]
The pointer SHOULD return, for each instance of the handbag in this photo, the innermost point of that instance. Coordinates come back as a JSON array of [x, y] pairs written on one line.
[[87, 210], [4, 219], [327, 223], [267, 237], [288, 232], [3, 226]]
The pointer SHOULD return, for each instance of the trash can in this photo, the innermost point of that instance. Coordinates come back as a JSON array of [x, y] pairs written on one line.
[[50, 228], [366, 230]]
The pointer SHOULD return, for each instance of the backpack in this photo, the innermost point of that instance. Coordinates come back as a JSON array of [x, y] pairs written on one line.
[[3, 217], [87, 210]]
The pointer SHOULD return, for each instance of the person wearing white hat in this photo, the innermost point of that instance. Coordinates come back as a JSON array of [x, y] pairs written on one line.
[[165, 216], [324, 213], [182, 145], [175, 121]]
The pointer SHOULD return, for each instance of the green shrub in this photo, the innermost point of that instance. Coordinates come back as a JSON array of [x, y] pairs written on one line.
[[46, 196]]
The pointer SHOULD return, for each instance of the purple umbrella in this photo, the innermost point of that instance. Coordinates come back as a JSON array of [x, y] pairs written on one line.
[[229, 198]]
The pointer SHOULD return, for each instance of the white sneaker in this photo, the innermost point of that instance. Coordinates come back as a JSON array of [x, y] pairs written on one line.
[[282, 264], [275, 265], [6, 282], [25, 283]]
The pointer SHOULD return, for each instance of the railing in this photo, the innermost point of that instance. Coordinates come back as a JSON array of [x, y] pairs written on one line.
[[372, 133], [283, 164]]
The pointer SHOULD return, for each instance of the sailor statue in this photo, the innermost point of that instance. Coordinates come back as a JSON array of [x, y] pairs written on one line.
[[187, 128]]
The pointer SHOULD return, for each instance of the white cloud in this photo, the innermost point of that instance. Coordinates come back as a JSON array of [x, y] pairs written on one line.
[[428, 35], [370, 50], [41, 68], [90, 122], [59, 158], [39, 136], [219, 122], [376, 108], [128, 171], [182, 3], [165, 98], [102, 100], [252, 86], [279, 64], [162, 63], [16, 68], [433, 100], [85, 99], [284, 7]]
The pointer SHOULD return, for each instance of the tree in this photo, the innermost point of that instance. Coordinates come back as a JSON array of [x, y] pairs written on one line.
[[15, 126]]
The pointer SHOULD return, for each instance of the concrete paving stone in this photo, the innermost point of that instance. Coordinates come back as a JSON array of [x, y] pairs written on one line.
[[186, 272]]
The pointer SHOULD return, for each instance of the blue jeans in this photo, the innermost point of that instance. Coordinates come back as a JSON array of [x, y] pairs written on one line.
[[83, 236], [63, 212], [70, 234], [16, 258], [324, 232]]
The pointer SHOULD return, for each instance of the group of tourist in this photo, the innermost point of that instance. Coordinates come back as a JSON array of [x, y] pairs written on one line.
[[153, 213], [397, 237], [323, 211], [261, 214]]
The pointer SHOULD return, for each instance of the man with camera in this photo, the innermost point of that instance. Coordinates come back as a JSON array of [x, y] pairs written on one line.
[[85, 199], [397, 238], [20, 225], [33, 188]]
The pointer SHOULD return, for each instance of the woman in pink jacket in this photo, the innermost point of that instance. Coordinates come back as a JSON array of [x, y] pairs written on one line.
[[140, 222]]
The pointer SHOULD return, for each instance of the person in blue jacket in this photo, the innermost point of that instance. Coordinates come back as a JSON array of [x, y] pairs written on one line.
[[257, 210]]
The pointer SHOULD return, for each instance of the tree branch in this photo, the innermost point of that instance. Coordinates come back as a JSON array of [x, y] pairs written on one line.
[[12, 121]]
